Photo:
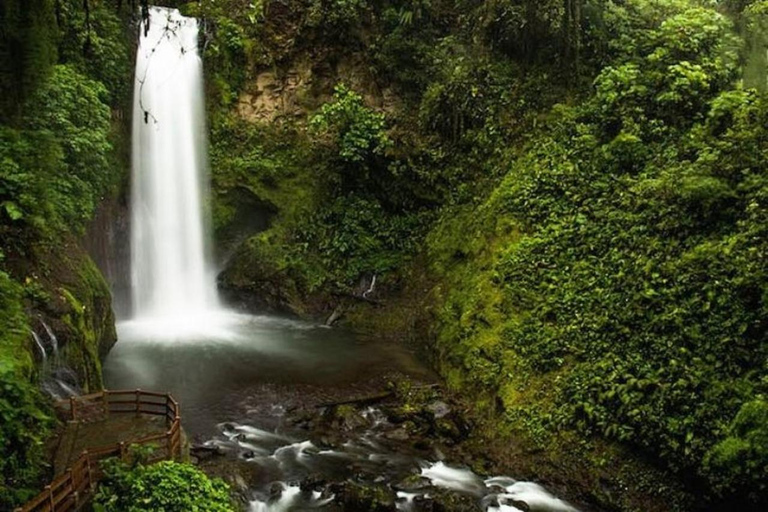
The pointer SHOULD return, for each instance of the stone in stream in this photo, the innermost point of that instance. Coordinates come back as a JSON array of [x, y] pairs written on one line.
[[368, 497], [398, 434], [442, 500], [439, 409]]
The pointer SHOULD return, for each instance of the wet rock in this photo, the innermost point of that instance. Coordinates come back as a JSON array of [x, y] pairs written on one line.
[[304, 420], [396, 415], [364, 497], [496, 500], [347, 417], [398, 434], [275, 490], [439, 409], [313, 483], [204, 452], [449, 430], [424, 445], [240, 483], [442, 500]]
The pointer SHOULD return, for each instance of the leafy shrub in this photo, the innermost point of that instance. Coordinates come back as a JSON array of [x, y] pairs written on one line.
[[739, 463], [26, 157], [24, 423], [54, 171], [336, 14], [356, 132], [97, 47], [72, 109], [355, 236], [166, 486]]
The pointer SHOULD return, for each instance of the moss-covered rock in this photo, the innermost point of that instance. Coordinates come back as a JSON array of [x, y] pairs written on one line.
[[358, 496], [69, 294], [88, 320]]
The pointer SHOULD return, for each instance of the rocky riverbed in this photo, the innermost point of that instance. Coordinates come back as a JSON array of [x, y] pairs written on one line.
[[403, 447]]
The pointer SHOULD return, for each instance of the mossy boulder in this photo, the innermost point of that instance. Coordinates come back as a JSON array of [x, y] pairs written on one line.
[[371, 497], [64, 289], [87, 322]]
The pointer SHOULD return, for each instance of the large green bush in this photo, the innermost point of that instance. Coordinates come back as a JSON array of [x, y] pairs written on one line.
[[163, 487], [24, 426], [356, 133], [73, 110], [56, 169], [23, 421], [739, 463]]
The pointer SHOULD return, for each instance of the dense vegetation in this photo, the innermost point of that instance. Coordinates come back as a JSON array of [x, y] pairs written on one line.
[[623, 291], [575, 191], [168, 486], [580, 185], [62, 74]]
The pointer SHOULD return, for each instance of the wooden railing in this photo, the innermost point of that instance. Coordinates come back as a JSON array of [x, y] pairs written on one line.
[[69, 490]]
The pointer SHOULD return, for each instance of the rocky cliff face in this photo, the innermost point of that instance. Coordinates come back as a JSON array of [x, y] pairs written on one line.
[[298, 87], [69, 296]]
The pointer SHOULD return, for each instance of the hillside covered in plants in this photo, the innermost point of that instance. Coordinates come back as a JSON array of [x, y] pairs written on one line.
[[571, 195], [561, 205]]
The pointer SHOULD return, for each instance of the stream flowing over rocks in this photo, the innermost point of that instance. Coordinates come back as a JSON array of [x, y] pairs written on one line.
[[298, 416], [388, 456], [363, 461]]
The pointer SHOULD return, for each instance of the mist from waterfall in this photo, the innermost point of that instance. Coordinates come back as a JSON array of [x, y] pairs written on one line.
[[172, 280]]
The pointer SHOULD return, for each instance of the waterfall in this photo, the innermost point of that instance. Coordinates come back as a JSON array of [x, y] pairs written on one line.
[[56, 378], [170, 276]]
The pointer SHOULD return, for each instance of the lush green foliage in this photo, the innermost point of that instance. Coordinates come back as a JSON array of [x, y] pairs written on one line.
[[23, 422], [60, 72], [739, 463], [28, 49], [622, 284], [23, 428], [163, 487], [95, 44], [57, 160], [71, 110], [358, 133], [598, 265]]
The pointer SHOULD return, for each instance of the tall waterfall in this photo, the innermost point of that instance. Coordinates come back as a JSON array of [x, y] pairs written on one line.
[[171, 278]]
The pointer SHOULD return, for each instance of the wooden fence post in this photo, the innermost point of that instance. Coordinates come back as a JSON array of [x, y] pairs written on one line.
[[105, 402], [169, 443], [88, 478], [122, 450], [73, 408], [50, 496], [73, 486], [138, 405]]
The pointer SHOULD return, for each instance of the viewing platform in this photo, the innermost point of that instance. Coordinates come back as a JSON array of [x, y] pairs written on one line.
[[102, 425]]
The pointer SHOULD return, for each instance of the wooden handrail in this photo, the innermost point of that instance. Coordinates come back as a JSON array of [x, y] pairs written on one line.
[[67, 491]]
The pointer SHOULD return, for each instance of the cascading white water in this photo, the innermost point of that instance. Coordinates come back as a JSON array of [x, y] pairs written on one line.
[[171, 279]]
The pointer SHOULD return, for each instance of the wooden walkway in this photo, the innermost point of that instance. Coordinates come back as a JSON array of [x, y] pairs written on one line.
[[103, 425]]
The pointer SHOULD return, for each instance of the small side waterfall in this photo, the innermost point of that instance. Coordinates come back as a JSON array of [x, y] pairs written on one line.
[[57, 379], [171, 279]]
